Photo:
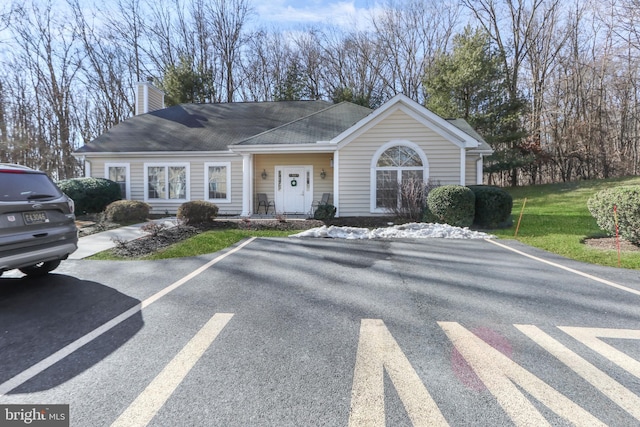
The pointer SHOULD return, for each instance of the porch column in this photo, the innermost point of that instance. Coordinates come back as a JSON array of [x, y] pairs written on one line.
[[247, 187]]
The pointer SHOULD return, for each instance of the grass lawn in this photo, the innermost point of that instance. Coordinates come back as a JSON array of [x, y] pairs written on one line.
[[556, 219], [213, 241], [203, 243]]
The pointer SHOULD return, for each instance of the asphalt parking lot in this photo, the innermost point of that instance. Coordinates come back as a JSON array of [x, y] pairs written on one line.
[[328, 332]]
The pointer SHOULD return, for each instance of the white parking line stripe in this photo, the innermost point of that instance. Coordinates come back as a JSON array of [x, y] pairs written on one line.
[[501, 374], [578, 272], [149, 402], [591, 338], [39, 367], [615, 391], [378, 351]]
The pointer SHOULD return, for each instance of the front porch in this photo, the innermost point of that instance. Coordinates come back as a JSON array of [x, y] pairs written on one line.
[[292, 184]]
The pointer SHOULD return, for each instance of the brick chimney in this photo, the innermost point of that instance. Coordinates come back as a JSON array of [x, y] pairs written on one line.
[[148, 98]]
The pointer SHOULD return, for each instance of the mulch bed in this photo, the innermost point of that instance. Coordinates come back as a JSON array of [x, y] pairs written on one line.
[[610, 244], [154, 242]]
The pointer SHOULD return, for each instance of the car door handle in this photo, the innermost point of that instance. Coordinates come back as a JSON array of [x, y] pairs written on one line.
[[41, 235]]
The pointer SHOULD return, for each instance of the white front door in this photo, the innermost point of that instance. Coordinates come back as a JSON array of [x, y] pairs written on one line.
[[293, 189]]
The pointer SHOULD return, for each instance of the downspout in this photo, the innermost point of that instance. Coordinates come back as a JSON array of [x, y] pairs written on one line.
[[479, 170], [336, 181], [86, 164], [463, 166]]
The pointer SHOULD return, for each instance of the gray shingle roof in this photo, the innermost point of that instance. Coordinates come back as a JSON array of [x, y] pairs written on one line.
[[320, 126], [465, 127], [215, 127], [200, 127]]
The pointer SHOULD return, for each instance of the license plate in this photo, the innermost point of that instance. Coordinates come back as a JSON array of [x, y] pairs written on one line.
[[35, 217]]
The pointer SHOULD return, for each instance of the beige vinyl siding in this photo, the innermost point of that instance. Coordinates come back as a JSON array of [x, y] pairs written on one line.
[[155, 101], [196, 179], [140, 99], [355, 159], [268, 163], [149, 98]]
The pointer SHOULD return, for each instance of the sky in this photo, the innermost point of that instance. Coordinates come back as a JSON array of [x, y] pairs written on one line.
[[291, 13], [284, 14]]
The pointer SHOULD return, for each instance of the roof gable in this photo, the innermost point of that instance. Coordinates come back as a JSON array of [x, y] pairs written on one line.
[[320, 126], [421, 114]]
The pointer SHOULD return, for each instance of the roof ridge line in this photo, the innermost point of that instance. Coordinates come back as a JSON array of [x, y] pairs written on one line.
[[291, 122]]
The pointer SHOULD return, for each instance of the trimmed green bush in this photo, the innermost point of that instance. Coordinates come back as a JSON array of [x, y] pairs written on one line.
[[197, 212], [493, 206], [627, 202], [127, 211], [325, 212], [452, 204], [91, 195]]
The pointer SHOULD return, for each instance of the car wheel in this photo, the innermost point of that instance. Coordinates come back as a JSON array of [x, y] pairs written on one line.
[[40, 268]]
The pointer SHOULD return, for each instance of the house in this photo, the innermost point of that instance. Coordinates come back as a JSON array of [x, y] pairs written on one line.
[[292, 151]]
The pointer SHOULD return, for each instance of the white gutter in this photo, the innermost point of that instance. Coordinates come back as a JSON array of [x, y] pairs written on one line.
[[152, 153], [284, 148]]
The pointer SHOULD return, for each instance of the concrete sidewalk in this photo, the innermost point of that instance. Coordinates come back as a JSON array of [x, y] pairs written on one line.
[[98, 242]]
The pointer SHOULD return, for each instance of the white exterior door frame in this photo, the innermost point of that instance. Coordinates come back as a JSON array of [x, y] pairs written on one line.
[[293, 188]]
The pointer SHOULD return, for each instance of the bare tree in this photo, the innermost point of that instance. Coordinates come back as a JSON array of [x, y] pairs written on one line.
[[353, 68], [48, 52], [107, 77], [410, 34], [311, 61], [265, 65], [226, 19]]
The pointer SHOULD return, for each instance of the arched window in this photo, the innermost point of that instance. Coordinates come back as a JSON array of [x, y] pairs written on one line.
[[397, 166]]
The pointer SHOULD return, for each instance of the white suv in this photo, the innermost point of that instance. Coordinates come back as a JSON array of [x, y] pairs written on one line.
[[37, 223]]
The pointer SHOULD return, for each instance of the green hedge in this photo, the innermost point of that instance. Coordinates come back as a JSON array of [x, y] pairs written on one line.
[[627, 202], [451, 204], [325, 212], [127, 211], [197, 212], [90, 195], [493, 206]]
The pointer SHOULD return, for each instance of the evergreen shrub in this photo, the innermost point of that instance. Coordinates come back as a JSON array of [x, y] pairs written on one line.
[[627, 202], [325, 212], [91, 195], [493, 206], [452, 204]]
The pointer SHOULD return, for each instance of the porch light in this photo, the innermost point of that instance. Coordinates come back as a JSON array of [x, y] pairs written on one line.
[[323, 174], [264, 174]]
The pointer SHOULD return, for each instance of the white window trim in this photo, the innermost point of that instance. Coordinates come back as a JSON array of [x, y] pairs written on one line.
[[374, 168], [207, 165], [127, 172], [167, 166]]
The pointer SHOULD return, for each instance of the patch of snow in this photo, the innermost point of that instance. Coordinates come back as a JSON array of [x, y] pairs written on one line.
[[404, 231]]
